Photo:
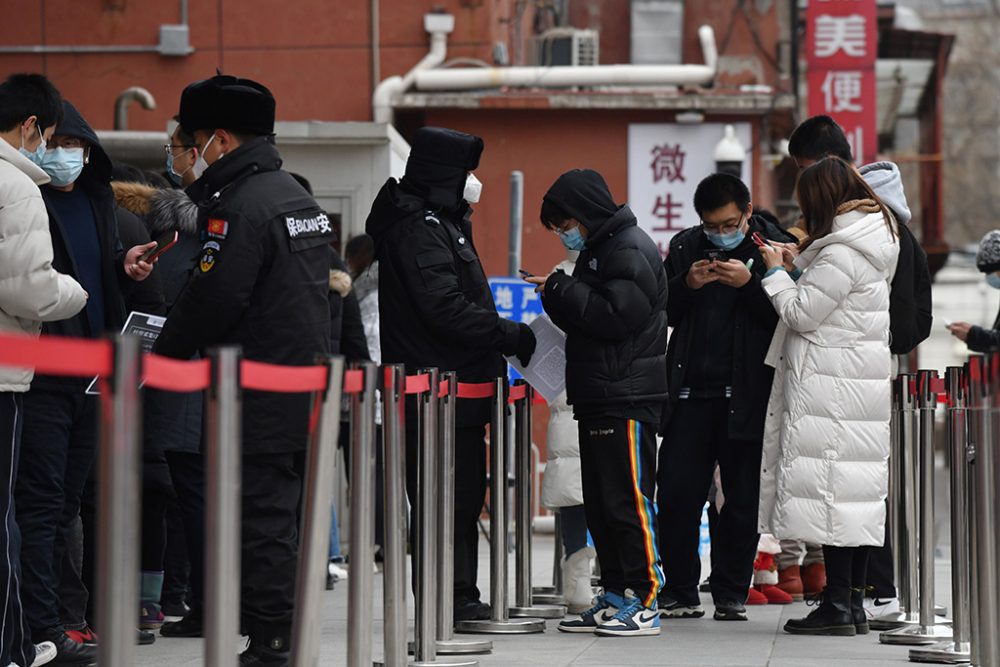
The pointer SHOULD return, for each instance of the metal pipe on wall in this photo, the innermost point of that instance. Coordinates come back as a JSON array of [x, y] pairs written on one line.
[[516, 222]]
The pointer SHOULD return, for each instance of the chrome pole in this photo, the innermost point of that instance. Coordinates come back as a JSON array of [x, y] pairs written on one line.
[[982, 383], [394, 458], [553, 594]]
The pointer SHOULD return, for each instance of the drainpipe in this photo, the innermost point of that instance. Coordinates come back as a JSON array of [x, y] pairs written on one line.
[[565, 76], [376, 62], [127, 96], [438, 26]]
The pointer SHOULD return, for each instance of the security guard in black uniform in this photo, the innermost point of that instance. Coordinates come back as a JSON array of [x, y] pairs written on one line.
[[436, 310], [260, 282]]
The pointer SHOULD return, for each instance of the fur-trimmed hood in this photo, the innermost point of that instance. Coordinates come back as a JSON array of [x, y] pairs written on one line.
[[340, 282], [161, 210]]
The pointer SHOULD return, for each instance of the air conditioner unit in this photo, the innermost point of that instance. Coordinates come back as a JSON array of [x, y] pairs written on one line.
[[567, 47]]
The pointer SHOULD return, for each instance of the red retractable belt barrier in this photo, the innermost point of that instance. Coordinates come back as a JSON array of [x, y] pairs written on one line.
[[518, 392], [282, 379], [176, 375], [354, 382], [417, 384], [478, 390], [937, 387], [70, 357]]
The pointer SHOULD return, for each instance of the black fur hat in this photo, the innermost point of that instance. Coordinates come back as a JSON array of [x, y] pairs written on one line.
[[226, 102]]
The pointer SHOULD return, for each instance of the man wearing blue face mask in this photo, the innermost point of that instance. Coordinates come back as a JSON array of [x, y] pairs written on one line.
[[60, 420], [719, 386], [981, 339]]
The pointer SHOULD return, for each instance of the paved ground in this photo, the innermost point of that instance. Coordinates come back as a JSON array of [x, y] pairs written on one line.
[[692, 643]]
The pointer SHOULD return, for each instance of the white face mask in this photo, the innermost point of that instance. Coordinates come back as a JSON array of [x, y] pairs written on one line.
[[200, 165], [473, 189]]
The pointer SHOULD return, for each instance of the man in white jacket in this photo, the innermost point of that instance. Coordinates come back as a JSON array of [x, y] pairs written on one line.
[[31, 292]]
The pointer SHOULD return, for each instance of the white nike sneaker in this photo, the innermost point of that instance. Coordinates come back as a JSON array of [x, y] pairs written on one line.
[[635, 620], [45, 653], [876, 608], [605, 608]]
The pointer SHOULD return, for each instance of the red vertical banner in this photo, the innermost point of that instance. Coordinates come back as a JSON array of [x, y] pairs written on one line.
[[842, 46]]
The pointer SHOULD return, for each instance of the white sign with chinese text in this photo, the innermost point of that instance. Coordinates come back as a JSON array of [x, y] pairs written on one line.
[[666, 161]]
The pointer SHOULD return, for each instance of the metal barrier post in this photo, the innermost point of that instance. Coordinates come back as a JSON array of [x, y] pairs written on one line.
[[902, 501], [524, 606], [956, 651], [394, 458], [500, 621], [983, 393], [928, 631], [360, 585], [446, 642], [553, 594], [316, 513], [118, 506], [223, 509]]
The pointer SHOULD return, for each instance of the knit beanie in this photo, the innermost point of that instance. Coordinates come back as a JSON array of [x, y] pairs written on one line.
[[988, 257]]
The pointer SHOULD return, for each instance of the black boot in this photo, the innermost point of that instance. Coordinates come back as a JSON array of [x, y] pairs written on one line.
[[270, 653], [858, 611], [832, 617], [189, 626]]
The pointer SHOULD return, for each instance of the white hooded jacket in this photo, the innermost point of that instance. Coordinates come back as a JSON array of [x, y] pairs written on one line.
[[824, 473], [31, 291]]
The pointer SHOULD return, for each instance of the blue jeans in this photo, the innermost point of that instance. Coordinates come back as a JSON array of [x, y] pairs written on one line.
[[334, 532]]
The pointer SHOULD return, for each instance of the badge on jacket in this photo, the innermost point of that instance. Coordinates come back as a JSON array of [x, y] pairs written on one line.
[[209, 251], [217, 229]]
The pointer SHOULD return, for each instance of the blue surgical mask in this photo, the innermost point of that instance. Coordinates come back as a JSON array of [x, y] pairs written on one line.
[[63, 165], [572, 238], [730, 241], [993, 280], [39, 153], [175, 178]]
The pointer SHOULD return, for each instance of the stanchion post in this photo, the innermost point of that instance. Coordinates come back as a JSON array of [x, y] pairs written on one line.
[[118, 506], [902, 498], [317, 503], [524, 606], [928, 630], [394, 459], [447, 644], [425, 634], [500, 621], [983, 393], [956, 651], [223, 508], [361, 583]]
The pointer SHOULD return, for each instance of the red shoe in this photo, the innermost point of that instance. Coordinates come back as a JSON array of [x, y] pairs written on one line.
[[85, 636], [774, 594], [790, 581], [814, 579], [755, 597]]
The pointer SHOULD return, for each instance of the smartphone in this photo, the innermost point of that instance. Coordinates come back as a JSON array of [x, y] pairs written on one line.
[[759, 240], [715, 255], [164, 242], [947, 322], [525, 274]]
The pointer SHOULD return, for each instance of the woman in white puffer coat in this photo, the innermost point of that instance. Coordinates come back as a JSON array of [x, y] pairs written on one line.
[[824, 474], [562, 489]]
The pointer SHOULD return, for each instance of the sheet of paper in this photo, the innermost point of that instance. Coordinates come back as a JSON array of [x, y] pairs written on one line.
[[143, 325], [547, 370]]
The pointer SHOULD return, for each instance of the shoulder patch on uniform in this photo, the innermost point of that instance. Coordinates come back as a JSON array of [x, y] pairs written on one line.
[[308, 224], [430, 217], [217, 228], [209, 253]]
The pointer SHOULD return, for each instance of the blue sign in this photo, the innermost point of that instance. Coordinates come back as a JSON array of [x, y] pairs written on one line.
[[516, 300]]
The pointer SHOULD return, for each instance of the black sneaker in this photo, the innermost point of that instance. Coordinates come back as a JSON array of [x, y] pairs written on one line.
[[68, 652], [175, 609], [471, 610], [705, 586], [671, 608], [145, 637], [274, 653], [189, 626], [730, 610]]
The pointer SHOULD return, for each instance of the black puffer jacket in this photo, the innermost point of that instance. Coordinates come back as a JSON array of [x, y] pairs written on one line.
[[613, 307], [261, 282], [95, 181], [435, 304]]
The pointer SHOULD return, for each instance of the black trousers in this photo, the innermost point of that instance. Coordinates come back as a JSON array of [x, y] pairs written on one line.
[[187, 472], [59, 443], [697, 437], [881, 569], [618, 464], [272, 488], [846, 567], [15, 642], [176, 568], [470, 493]]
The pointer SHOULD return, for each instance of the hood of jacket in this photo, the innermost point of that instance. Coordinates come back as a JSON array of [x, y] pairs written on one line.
[[439, 163], [98, 168], [392, 204], [885, 179], [10, 154], [161, 210], [583, 195], [865, 232]]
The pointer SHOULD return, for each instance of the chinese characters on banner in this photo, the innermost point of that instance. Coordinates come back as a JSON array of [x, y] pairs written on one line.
[[842, 48], [665, 164]]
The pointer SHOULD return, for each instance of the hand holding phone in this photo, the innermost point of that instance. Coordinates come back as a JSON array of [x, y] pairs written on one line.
[[163, 243], [525, 274], [759, 240]]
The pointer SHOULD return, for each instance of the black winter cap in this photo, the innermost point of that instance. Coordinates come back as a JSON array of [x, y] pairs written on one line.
[[229, 103]]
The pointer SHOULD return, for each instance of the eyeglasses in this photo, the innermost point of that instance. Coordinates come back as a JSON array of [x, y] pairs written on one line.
[[66, 142], [169, 148], [725, 228]]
